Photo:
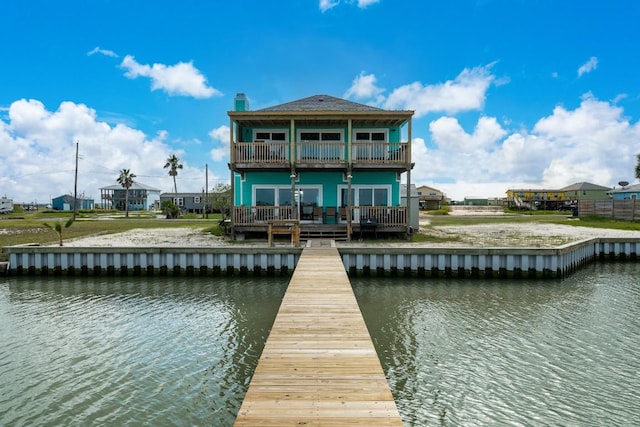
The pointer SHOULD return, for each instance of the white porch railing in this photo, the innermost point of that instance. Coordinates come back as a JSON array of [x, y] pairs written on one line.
[[390, 216], [252, 215]]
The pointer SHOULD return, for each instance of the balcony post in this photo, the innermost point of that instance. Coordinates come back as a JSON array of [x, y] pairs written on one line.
[[294, 211], [349, 203]]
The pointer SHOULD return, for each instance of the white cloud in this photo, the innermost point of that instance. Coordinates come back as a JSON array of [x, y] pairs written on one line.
[[104, 52], [37, 151], [588, 66], [362, 4], [466, 92], [364, 87], [595, 143], [222, 135], [325, 5], [449, 135], [179, 79], [328, 4]]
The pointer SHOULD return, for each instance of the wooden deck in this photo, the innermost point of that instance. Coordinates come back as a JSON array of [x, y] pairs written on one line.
[[319, 366]]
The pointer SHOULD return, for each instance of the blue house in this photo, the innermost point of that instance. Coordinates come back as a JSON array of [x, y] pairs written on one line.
[[628, 192], [66, 202], [331, 164]]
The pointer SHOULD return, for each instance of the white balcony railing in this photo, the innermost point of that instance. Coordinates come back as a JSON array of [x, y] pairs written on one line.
[[256, 153], [261, 152]]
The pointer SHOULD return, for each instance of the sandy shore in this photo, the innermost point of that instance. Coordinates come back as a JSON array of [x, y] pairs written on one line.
[[486, 235]]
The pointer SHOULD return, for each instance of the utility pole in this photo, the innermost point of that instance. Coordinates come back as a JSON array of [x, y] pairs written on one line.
[[206, 189], [75, 186]]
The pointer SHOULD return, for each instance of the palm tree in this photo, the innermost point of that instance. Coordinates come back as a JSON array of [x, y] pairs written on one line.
[[126, 180], [57, 227], [173, 163], [638, 167]]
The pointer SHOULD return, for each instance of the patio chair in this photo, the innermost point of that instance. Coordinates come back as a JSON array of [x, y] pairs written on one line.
[[317, 214], [307, 211], [343, 214], [330, 213]]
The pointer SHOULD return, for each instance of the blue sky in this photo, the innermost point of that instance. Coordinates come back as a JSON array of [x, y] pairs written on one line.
[[506, 93]]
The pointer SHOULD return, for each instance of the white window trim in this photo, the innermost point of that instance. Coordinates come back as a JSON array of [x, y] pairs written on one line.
[[286, 134], [277, 189], [299, 132], [356, 195], [370, 130]]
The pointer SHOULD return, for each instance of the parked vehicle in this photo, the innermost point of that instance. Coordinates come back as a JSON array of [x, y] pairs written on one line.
[[6, 205]]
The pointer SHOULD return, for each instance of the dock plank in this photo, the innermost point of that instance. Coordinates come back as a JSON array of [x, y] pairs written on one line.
[[319, 366]]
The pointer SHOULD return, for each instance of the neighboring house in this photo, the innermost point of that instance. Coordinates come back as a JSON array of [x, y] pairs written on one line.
[[187, 202], [141, 197], [555, 199], [623, 193], [66, 202], [534, 198], [585, 191], [475, 201], [6, 205], [430, 198], [329, 162]]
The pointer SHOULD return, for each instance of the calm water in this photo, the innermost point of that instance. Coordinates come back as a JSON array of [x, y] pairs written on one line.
[[166, 351], [511, 353], [130, 352]]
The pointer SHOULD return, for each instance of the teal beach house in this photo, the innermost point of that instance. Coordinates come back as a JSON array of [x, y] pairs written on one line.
[[331, 165]]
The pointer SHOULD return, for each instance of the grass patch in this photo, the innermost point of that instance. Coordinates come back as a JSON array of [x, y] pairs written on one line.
[[609, 223], [444, 210], [31, 228]]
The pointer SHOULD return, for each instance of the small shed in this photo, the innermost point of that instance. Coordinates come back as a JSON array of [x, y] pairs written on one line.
[[413, 205]]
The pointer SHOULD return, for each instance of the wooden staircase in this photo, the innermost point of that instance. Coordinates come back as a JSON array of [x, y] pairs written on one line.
[[323, 231]]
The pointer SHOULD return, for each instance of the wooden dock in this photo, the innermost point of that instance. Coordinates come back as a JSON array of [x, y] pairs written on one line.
[[319, 366]]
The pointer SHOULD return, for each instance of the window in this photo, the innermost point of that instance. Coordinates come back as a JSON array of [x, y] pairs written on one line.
[[317, 136], [281, 195], [265, 197], [197, 200], [370, 136], [270, 136], [370, 144], [179, 201], [366, 196]]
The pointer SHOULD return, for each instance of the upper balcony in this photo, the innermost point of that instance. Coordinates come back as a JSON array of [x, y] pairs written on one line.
[[314, 155]]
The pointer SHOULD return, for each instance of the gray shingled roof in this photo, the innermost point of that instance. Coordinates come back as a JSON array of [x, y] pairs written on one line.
[[136, 186], [321, 103], [583, 186]]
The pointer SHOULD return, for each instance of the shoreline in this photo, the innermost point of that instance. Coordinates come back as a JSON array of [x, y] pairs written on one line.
[[463, 236]]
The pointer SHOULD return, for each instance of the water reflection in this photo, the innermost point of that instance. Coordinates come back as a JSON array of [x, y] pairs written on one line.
[[523, 353], [144, 351]]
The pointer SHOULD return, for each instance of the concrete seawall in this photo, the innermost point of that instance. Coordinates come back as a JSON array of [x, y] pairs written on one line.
[[366, 260], [57, 260]]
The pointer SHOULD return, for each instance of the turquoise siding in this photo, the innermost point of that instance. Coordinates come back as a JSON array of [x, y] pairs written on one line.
[[394, 132], [329, 181]]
